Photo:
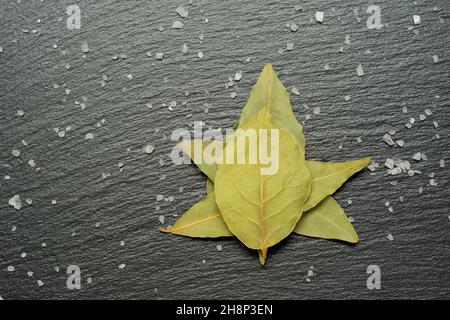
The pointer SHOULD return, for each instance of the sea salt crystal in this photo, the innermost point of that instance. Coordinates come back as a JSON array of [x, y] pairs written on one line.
[[316, 110], [40, 283], [238, 76], [84, 47], [289, 46], [390, 237], [182, 12], [184, 48], [416, 19], [159, 197], [359, 70], [148, 149], [388, 139], [15, 202], [177, 24], [10, 268], [159, 56], [89, 136], [395, 171], [433, 182], [319, 16], [293, 27], [16, 153], [122, 266], [295, 91], [161, 219], [400, 143], [417, 156], [219, 247], [435, 59], [389, 163]]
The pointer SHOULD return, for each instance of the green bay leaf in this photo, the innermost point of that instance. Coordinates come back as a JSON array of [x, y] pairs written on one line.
[[270, 92], [327, 220], [327, 177], [202, 220], [262, 210]]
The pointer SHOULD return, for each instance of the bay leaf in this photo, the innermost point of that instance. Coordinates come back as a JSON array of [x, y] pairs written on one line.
[[327, 220], [270, 92], [202, 220], [327, 177], [262, 210], [209, 186]]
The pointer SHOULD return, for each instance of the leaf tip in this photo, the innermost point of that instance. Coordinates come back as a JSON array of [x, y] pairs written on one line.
[[163, 230]]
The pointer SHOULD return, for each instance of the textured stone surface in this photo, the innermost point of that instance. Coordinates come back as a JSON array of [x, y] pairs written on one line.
[[92, 215]]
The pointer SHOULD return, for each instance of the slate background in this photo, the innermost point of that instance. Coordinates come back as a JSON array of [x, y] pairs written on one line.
[[399, 71]]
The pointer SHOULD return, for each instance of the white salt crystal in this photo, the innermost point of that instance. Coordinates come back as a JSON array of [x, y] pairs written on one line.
[[10, 268], [148, 149], [182, 12], [219, 247], [15, 202], [295, 91], [316, 110], [395, 171], [238, 76], [122, 266], [293, 27], [435, 59], [319, 16], [159, 56], [177, 24], [84, 47], [184, 48], [89, 136], [161, 219], [16, 153], [400, 143], [417, 156], [390, 237], [416, 19], [389, 163], [40, 283], [359, 70]]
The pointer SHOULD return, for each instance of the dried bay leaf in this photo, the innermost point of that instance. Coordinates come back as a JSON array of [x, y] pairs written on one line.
[[202, 220], [335, 225], [327, 177], [262, 210], [209, 186], [327, 220], [270, 92]]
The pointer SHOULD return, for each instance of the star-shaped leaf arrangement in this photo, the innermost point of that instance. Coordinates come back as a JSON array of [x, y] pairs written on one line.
[[262, 210]]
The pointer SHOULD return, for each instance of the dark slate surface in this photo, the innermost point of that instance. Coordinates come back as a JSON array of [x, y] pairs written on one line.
[[92, 215]]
